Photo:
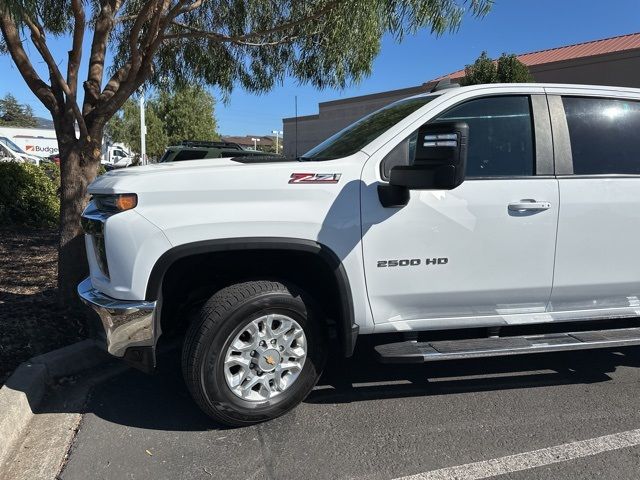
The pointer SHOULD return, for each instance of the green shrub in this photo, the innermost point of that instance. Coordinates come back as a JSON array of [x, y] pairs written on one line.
[[27, 196], [52, 171]]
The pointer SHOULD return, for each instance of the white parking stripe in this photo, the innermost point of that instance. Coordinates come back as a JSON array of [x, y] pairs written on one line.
[[533, 459]]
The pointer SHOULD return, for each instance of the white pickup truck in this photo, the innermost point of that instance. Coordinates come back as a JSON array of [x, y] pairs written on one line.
[[497, 219]]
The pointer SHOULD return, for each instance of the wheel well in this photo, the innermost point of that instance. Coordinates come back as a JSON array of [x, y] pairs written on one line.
[[190, 281]]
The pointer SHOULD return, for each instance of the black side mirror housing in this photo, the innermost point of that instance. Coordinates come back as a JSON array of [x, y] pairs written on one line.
[[440, 162]]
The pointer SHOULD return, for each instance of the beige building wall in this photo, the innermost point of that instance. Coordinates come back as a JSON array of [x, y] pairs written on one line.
[[620, 69]]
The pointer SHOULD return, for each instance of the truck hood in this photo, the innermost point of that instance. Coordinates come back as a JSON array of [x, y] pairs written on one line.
[[154, 177]]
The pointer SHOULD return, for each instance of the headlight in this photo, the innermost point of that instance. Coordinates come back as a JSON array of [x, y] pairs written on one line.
[[116, 203]]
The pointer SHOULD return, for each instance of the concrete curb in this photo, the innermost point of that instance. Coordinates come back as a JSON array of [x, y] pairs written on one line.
[[23, 392]]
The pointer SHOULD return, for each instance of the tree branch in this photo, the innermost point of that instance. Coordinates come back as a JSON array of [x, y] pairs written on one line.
[[124, 18], [190, 8], [39, 41], [198, 33], [129, 77], [21, 59], [243, 39], [145, 13], [104, 25], [75, 54]]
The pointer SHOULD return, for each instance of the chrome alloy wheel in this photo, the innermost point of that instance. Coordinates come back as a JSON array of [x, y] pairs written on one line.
[[265, 358]]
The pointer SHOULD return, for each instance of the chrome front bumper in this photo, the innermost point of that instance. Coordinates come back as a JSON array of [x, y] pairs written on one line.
[[126, 324]]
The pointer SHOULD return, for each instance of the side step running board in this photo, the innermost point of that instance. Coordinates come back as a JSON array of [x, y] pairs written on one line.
[[418, 352]]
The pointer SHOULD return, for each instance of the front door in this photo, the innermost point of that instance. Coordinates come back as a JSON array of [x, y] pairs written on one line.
[[481, 253]]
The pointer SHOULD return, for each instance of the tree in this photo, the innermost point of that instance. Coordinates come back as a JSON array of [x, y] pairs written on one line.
[[14, 114], [124, 127], [187, 114], [272, 147], [483, 70], [248, 43], [508, 69], [512, 70]]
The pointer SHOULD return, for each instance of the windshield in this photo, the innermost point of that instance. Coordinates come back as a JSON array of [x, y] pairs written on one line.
[[11, 145], [354, 137]]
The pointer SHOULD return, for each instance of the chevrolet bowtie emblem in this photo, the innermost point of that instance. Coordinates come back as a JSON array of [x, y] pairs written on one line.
[[270, 360]]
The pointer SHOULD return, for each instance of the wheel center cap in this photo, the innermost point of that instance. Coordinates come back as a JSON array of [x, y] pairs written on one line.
[[269, 359]]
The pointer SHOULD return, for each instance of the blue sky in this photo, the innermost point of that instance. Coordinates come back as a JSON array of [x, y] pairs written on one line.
[[513, 26]]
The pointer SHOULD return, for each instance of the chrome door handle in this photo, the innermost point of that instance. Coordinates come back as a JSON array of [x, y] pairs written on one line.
[[529, 205]]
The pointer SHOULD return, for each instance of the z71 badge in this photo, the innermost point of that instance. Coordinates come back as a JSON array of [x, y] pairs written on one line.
[[315, 177]]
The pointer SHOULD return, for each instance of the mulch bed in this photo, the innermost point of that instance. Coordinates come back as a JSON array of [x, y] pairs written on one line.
[[31, 321]]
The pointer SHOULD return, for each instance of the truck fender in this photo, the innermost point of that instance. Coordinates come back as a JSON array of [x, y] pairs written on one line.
[[347, 328]]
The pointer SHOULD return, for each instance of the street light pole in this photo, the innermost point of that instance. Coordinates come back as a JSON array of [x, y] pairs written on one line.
[[255, 143], [277, 134], [143, 131]]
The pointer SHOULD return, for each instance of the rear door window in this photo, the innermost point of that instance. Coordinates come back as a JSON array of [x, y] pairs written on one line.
[[604, 135]]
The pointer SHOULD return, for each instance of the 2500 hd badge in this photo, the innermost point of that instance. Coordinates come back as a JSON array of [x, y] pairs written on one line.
[[413, 262]]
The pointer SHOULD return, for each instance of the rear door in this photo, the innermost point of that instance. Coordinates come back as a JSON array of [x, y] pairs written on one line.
[[597, 142], [478, 253]]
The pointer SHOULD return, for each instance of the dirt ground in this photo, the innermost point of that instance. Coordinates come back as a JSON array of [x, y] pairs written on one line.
[[31, 321]]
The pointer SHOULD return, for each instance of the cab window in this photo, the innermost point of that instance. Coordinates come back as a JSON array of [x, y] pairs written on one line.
[[501, 140]]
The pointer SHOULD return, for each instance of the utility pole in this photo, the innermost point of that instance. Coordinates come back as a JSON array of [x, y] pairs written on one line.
[[143, 131], [277, 134]]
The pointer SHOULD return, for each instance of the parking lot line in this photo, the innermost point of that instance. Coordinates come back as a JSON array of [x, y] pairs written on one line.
[[533, 459]]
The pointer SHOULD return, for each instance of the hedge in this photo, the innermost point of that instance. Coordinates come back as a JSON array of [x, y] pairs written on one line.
[[28, 196]]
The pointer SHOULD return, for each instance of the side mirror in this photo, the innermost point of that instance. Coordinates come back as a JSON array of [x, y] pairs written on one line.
[[440, 161]]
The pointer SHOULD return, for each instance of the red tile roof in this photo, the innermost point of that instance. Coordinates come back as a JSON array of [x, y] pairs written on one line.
[[578, 50]]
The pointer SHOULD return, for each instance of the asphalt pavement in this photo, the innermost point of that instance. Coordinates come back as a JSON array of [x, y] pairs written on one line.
[[472, 418]]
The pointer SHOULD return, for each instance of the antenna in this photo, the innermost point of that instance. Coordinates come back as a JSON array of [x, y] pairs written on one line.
[[296, 140]]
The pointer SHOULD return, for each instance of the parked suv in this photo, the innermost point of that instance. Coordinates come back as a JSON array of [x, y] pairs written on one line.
[[194, 150], [467, 222]]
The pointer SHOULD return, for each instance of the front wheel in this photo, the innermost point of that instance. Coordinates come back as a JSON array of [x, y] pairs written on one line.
[[254, 353]]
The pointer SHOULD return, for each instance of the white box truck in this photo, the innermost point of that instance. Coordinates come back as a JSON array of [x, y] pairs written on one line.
[[35, 144]]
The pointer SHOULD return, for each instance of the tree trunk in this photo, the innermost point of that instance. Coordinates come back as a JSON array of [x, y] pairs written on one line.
[[79, 162]]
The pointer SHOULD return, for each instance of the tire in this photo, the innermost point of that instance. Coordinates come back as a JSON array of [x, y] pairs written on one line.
[[225, 320]]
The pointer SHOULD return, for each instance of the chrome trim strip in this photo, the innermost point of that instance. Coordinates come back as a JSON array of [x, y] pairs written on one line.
[[126, 323]]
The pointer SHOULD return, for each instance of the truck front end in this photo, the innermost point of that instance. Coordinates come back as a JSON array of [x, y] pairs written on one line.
[[128, 328]]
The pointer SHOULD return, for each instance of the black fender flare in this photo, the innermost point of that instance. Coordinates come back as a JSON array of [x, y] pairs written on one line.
[[347, 330]]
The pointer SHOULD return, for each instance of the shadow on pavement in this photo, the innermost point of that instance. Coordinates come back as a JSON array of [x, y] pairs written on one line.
[[161, 401], [364, 379]]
